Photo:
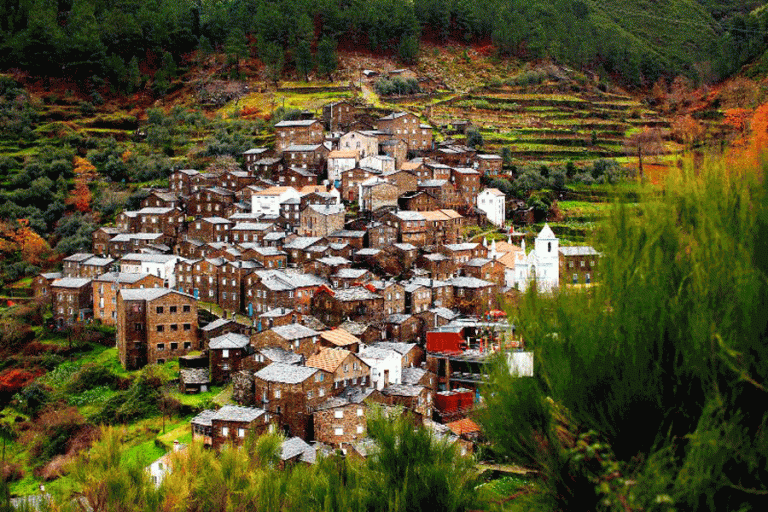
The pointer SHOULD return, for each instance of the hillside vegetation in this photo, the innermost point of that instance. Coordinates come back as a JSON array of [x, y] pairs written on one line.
[[122, 44]]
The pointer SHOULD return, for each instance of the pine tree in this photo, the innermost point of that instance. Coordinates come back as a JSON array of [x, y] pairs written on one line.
[[327, 59]]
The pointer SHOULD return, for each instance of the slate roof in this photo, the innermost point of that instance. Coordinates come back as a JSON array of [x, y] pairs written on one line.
[[298, 122], [70, 282], [397, 318], [356, 293], [230, 340], [348, 233], [280, 355], [294, 332], [219, 322], [578, 250], [408, 215], [80, 256], [204, 418], [469, 282], [293, 447], [402, 390], [302, 148], [350, 273], [194, 376], [150, 258], [127, 237], [144, 293], [477, 262], [400, 348], [237, 413], [302, 242], [322, 209], [276, 312], [285, 373], [411, 375], [120, 277]]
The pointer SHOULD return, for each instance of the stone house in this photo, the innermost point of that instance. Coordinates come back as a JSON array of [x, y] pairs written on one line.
[[251, 156], [418, 297], [351, 180], [267, 168], [71, 264], [438, 265], [294, 338], [41, 285], [366, 332], [487, 269], [232, 424], [327, 266], [416, 376], [393, 294], [101, 238], [578, 265], [396, 149], [489, 165], [418, 201], [377, 193], [417, 399], [334, 307], [403, 180], [443, 226], [338, 116], [218, 327], [292, 393], [72, 300], [344, 367], [244, 232], [180, 181], [276, 317], [154, 325], [462, 253], [161, 199], [321, 221], [199, 278], [380, 235], [467, 183], [299, 132], [266, 290], [226, 352], [210, 229], [296, 248], [402, 327], [342, 420], [443, 191], [296, 177], [347, 277], [411, 354], [407, 127], [213, 201], [411, 226], [94, 267], [354, 237], [312, 157], [235, 180], [472, 296], [107, 286], [125, 243]]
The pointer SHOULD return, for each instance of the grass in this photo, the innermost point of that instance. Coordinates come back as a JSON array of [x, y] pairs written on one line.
[[264, 103]]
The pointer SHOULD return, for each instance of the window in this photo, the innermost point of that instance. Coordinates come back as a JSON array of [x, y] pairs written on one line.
[[174, 327], [359, 429], [310, 394], [159, 310], [225, 431], [159, 328], [339, 431], [187, 345], [172, 309], [338, 414], [160, 347], [187, 327], [276, 393], [241, 432], [319, 377], [136, 327], [583, 263], [359, 411], [174, 346]]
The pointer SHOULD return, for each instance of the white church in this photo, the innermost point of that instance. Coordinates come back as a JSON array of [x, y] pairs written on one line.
[[541, 265]]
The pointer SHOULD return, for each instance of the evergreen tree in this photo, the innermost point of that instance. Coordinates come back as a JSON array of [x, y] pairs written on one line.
[[327, 60], [303, 60]]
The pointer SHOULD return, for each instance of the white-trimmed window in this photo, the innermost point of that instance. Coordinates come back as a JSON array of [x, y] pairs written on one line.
[[338, 414], [225, 431], [241, 432], [339, 431]]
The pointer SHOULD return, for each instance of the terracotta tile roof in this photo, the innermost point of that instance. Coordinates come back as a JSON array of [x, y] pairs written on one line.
[[463, 426], [340, 337], [328, 359]]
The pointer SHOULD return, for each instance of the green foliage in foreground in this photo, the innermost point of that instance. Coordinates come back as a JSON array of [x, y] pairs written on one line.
[[411, 471], [647, 387]]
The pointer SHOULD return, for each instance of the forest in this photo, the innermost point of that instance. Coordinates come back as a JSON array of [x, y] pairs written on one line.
[[117, 42]]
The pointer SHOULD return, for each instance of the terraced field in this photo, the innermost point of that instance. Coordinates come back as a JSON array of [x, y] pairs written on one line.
[[552, 126]]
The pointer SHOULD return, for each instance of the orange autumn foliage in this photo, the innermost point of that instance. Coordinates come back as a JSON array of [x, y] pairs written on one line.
[[23, 239], [85, 173], [737, 118], [80, 198], [751, 148]]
